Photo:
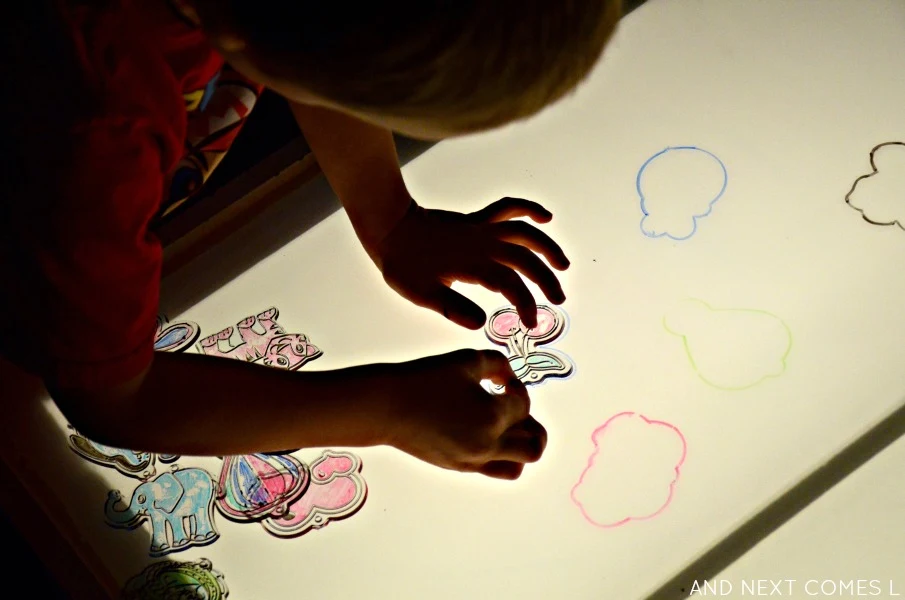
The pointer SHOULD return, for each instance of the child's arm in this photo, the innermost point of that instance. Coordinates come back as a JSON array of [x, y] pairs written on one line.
[[434, 409], [421, 252], [84, 295]]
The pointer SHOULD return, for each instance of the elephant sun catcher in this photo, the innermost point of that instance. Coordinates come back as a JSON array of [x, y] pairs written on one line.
[[178, 504], [284, 495]]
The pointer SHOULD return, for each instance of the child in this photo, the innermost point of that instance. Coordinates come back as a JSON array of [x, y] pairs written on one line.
[[105, 91]]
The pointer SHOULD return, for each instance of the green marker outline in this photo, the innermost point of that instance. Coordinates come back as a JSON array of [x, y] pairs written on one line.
[[749, 310]]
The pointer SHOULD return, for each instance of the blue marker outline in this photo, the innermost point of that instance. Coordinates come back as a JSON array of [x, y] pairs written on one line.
[[694, 218]]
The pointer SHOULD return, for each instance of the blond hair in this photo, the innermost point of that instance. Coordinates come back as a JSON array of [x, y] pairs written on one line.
[[470, 63]]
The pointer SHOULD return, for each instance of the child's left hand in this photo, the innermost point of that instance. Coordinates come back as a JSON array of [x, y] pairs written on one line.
[[427, 250]]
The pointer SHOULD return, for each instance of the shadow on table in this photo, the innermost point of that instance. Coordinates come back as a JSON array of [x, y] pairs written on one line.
[[24, 564], [775, 515]]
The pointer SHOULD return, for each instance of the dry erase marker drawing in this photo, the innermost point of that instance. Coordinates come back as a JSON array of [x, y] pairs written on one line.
[[677, 187], [177, 580], [179, 506], [261, 339], [632, 472], [530, 363], [731, 349], [337, 491], [175, 337], [880, 196], [254, 486]]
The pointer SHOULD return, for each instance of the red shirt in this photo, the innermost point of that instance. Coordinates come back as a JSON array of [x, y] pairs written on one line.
[[81, 269]]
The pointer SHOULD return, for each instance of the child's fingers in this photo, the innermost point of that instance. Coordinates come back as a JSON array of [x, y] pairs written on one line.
[[499, 278], [512, 208], [519, 448], [531, 428], [532, 267], [525, 234], [454, 306], [502, 469], [493, 365], [513, 405]]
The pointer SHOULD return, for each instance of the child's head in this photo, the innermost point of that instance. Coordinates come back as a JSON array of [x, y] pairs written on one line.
[[426, 68]]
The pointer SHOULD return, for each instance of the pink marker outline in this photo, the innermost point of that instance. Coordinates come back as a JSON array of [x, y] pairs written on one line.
[[672, 484]]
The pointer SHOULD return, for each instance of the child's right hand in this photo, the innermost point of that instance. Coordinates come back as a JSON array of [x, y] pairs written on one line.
[[444, 415], [433, 408]]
